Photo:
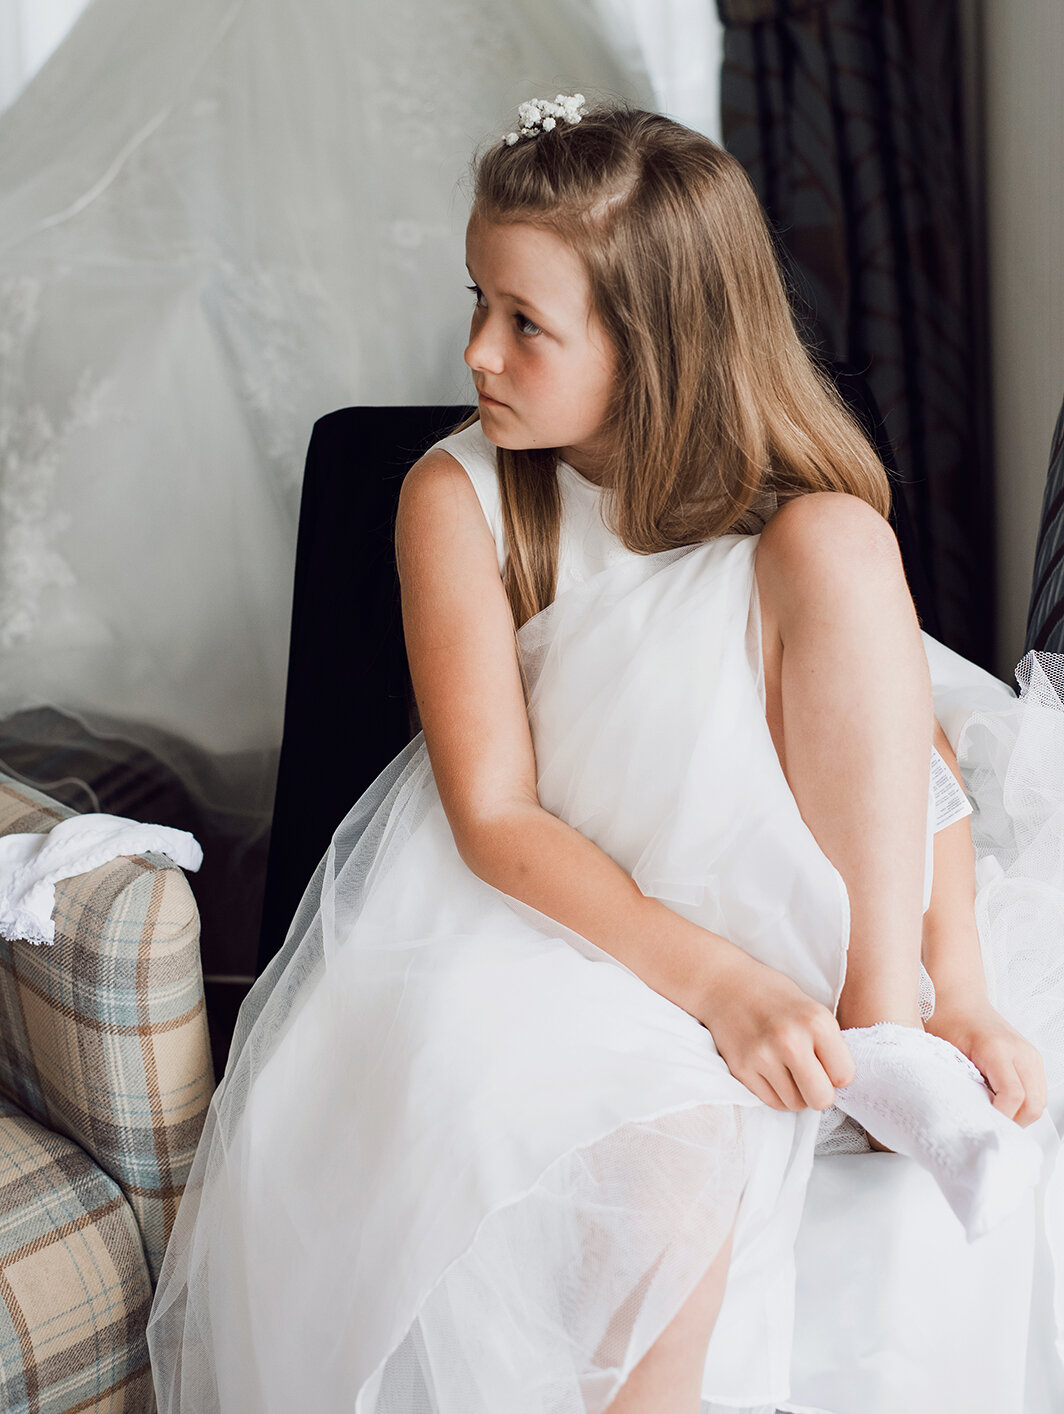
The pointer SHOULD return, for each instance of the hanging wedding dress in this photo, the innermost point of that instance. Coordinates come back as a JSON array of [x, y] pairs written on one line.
[[220, 219]]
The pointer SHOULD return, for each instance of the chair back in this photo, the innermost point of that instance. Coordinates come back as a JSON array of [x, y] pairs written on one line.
[[348, 699]]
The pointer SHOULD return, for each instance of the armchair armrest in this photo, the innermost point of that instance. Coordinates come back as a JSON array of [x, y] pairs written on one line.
[[103, 1035]]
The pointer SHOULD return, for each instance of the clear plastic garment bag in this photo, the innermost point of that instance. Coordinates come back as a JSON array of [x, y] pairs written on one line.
[[218, 221]]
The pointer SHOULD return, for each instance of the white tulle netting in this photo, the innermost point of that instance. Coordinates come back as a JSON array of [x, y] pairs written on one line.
[[1013, 763], [461, 1160], [553, 1297]]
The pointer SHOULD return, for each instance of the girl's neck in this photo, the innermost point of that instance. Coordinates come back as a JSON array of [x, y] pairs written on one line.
[[592, 465]]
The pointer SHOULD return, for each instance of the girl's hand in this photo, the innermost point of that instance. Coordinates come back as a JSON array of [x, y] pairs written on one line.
[[782, 1045], [1009, 1063]]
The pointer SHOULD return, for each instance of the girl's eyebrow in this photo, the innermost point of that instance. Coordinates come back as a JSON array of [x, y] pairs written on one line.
[[524, 303]]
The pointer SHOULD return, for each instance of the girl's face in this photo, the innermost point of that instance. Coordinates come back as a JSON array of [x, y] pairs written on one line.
[[543, 367]]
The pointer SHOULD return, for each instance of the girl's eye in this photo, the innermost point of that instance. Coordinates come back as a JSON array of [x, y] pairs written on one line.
[[524, 324]]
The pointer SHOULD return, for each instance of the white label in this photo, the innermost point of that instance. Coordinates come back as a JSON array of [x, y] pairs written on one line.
[[950, 802]]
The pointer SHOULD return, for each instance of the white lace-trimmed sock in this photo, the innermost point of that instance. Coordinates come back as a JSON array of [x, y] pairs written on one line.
[[920, 1096]]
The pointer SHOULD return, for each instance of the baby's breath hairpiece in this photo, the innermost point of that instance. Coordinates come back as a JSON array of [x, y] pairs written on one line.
[[540, 115]]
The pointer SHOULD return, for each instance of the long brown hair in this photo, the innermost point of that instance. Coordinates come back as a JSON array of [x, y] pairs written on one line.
[[719, 413]]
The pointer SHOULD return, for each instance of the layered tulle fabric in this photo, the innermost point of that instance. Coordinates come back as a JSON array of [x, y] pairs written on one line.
[[464, 1161], [1013, 760]]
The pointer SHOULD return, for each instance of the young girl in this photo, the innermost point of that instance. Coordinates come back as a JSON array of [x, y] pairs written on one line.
[[522, 1118]]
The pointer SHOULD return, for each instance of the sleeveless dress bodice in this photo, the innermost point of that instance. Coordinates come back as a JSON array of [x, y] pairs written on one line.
[[586, 543]]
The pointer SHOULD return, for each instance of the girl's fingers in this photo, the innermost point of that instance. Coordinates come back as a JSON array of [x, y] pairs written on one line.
[[1016, 1075], [804, 1074], [785, 1086], [1032, 1076], [764, 1091], [814, 1084], [1009, 1091], [834, 1055]]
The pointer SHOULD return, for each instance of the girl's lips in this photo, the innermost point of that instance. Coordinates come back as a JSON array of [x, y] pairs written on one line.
[[492, 402]]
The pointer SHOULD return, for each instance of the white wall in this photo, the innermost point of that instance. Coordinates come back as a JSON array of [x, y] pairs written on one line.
[[1024, 127], [29, 31], [681, 44]]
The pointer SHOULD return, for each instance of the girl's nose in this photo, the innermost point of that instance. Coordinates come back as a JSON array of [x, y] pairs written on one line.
[[483, 352]]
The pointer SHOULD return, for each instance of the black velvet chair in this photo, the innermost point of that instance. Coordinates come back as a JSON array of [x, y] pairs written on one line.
[[348, 699], [348, 704]]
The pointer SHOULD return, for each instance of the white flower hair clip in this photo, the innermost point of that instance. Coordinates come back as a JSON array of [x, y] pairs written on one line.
[[540, 115]]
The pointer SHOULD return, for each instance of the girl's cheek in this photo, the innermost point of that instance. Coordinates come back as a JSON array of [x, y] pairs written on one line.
[[537, 371]]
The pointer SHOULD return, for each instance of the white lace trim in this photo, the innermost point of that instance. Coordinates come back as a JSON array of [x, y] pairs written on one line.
[[32, 443]]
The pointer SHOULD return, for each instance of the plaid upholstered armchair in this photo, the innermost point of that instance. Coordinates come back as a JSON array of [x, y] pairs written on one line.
[[105, 1079]]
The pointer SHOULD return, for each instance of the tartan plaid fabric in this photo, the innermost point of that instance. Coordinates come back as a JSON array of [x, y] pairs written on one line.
[[74, 1290], [103, 1036]]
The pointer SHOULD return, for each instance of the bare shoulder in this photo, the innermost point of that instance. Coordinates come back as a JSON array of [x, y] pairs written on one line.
[[437, 482], [826, 523], [436, 467], [438, 505], [462, 651]]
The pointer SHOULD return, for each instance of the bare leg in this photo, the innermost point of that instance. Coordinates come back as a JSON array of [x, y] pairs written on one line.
[[850, 710], [669, 1376], [848, 699]]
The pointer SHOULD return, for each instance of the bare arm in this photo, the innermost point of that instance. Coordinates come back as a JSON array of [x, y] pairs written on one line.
[[951, 946], [464, 667], [953, 957]]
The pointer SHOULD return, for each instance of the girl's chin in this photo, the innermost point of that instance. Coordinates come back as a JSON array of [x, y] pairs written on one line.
[[510, 442]]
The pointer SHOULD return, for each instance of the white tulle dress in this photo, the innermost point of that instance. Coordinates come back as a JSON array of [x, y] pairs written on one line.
[[464, 1162]]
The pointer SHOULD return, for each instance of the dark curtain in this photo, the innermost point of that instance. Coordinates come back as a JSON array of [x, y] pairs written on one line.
[[1045, 622], [847, 115]]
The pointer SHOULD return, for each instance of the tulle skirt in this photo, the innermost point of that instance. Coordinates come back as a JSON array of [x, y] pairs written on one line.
[[464, 1160]]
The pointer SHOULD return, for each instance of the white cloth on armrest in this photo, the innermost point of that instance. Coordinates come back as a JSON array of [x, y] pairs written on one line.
[[32, 864]]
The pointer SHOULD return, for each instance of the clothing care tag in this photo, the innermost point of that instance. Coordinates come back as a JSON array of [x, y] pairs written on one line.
[[951, 804]]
